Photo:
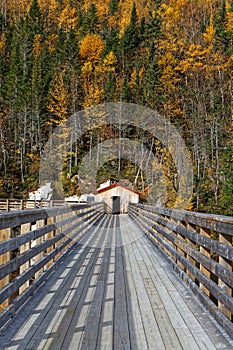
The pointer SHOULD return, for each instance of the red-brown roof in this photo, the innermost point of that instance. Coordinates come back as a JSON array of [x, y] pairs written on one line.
[[116, 184]]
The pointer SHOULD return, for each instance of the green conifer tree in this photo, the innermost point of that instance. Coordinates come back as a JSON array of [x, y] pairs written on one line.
[[35, 17], [90, 21], [110, 87], [113, 6], [131, 38]]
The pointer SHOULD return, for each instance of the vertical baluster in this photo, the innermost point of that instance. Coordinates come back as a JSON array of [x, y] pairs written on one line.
[[24, 248], [4, 258], [226, 239], [50, 220], [178, 249], [39, 224], [192, 245], [205, 232], [7, 205]]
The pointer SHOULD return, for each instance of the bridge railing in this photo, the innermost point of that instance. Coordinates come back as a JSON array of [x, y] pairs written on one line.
[[25, 204], [32, 244], [199, 247]]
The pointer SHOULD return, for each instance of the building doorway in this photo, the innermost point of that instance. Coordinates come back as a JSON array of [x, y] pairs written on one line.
[[116, 204]]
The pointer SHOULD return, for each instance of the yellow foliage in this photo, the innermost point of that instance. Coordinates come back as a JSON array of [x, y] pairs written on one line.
[[110, 61], [50, 8], [51, 41], [91, 48], [194, 50], [87, 68], [209, 33], [172, 12], [16, 8], [125, 9], [101, 5], [68, 18], [134, 76], [37, 46], [229, 16], [2, 42], [59, 100], [94, 96], [102, 8], [167, 64], [167, 59]]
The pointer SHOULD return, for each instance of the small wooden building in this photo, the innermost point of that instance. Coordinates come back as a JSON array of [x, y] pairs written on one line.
[[116, 197]]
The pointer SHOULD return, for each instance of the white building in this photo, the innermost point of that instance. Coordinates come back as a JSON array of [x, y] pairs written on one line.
[[116, 197]]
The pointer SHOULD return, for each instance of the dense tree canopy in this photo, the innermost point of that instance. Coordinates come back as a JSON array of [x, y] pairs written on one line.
[[58, 57]]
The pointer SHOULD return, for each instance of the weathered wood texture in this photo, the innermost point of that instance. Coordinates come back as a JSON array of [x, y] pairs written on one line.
[[114, 291], [199, 247], [25, 204], [32, 243]]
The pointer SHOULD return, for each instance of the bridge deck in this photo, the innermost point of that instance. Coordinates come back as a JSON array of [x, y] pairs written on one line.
[[115, 291]]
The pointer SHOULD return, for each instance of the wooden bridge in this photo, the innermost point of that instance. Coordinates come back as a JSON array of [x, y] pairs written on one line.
[[72, 277]]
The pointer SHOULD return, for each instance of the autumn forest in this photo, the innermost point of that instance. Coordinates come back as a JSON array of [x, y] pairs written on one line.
[[173, 56]]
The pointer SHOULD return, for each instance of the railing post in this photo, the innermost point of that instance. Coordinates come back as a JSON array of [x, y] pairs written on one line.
[[39, 224], [192, 245], [205, 232], [7, 205], [226, 239], [180, 238], [51, 234], [24, 229], [4, 258]]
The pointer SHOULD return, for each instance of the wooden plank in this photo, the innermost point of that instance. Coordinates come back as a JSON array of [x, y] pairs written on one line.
[[36, 242], [17, 218], [199, 321], [105, 338], [53, 308], [226, 239], [176, 295], [209, 284], [121, 339], [84, 297], [136, 326], [75, 333], [93, 324], [218, 223], [52, 334], [153, 337], [24, 248], [23, 298], [147, 269], [221, 249], [155, 261], [62, 336], [4, 258], [195, 256]]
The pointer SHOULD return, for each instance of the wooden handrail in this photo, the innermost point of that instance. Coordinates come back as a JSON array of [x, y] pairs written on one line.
[[199, 247], [32, 244], [12, 204]]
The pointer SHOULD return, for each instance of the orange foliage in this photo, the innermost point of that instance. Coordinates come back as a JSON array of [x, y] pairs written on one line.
[[59, 99], [91, 48], [68, 18]]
